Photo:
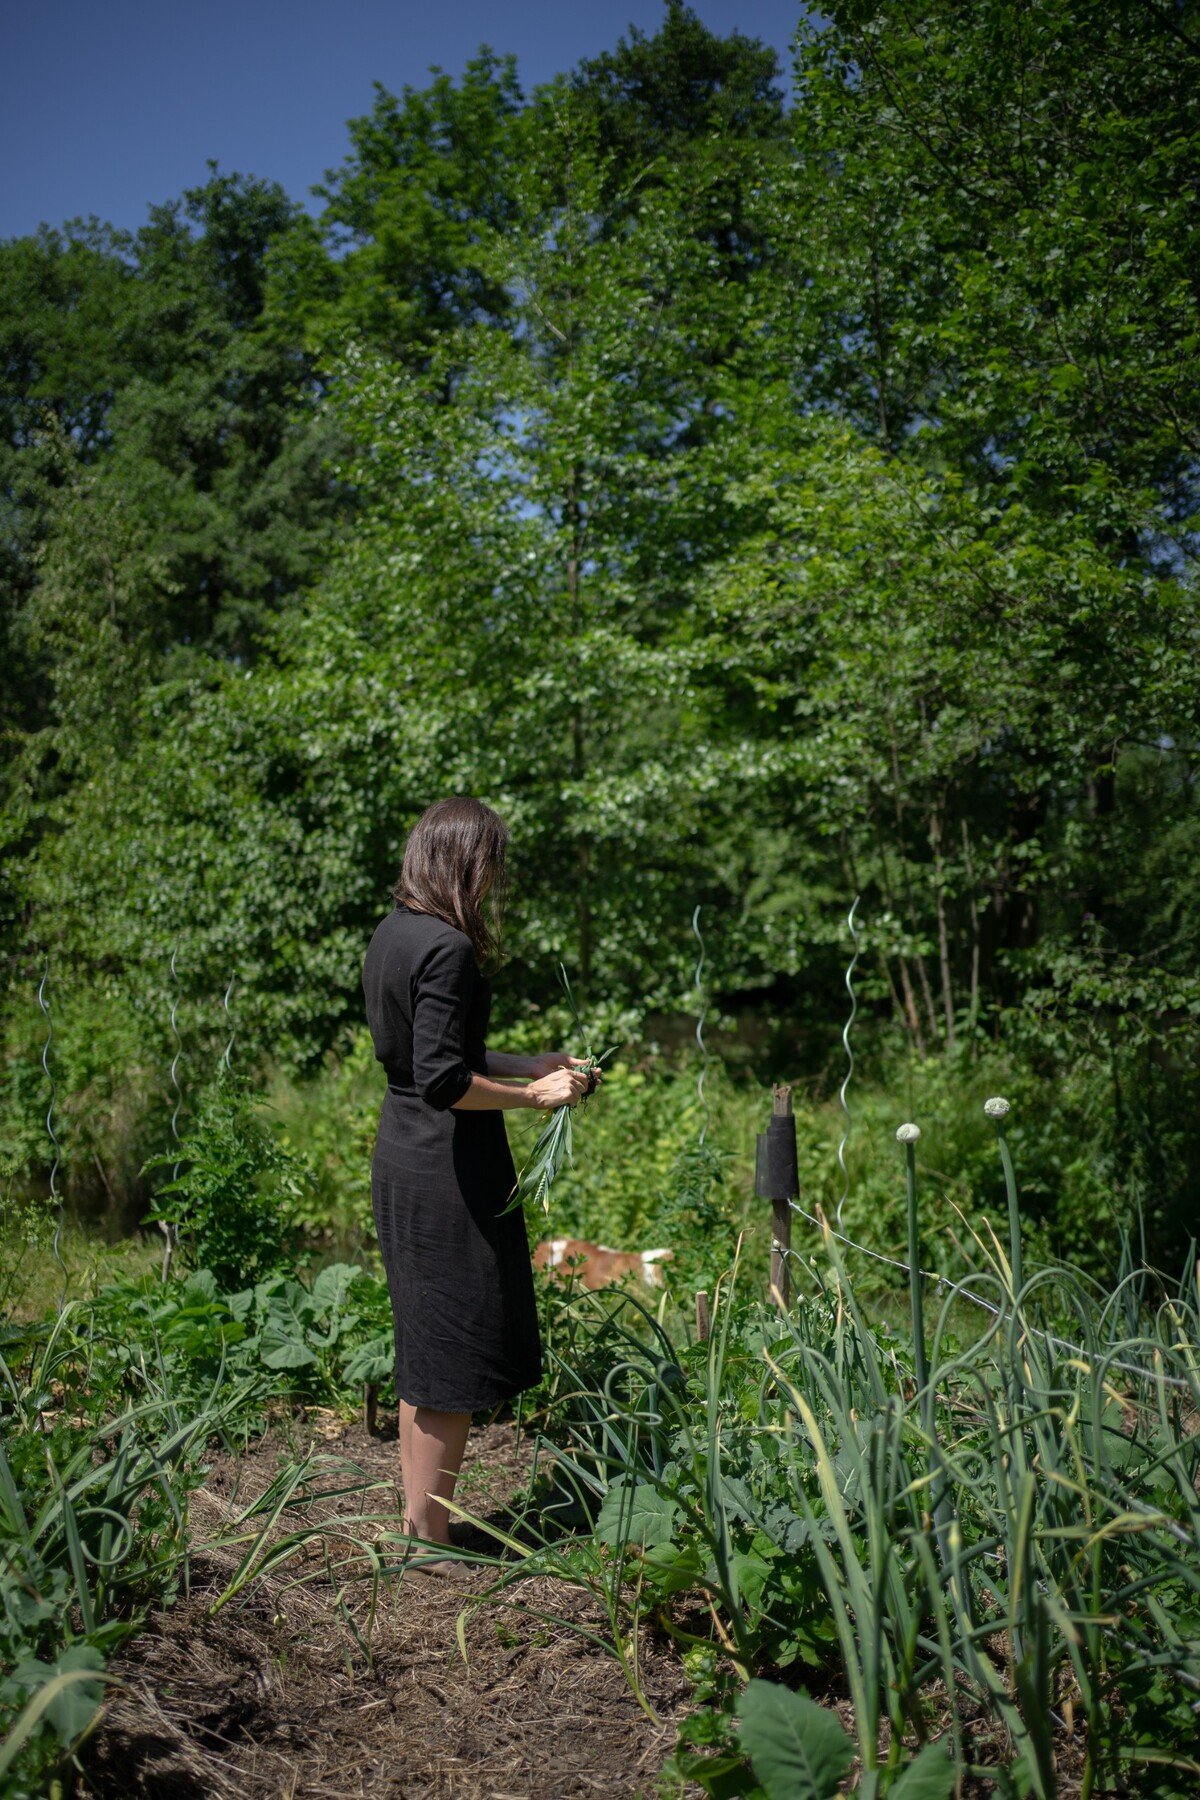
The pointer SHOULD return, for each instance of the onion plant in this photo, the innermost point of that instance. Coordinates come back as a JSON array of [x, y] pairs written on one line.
[[1000, 1523]]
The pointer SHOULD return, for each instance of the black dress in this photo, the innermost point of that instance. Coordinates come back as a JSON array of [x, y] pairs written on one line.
[[458, 1272]]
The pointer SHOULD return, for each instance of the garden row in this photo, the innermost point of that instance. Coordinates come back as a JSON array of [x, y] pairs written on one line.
[[960, 1555]]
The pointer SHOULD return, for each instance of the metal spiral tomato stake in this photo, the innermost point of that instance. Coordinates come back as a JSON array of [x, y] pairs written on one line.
[[701, 1009], [227, 1053], [169, 1230], [848, 1077], [56, 1198]]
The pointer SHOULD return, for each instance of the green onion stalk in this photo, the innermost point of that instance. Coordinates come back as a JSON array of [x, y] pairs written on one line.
[[555, 1143], [997, 1110]]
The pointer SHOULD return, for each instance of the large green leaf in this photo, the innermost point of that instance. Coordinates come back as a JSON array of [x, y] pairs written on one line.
[[799, 1750], [67, 1692], [282, 1349], [644, 1517], [371, 1361], [239, 1305], [673, 1568], [329, 1289], [722, 1777]]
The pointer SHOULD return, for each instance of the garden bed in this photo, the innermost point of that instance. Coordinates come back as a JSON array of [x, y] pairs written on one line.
[[273, 1696]]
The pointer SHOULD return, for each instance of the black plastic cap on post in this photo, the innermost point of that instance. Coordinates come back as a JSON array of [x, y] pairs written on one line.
[[776, 1178], [775, 1169]]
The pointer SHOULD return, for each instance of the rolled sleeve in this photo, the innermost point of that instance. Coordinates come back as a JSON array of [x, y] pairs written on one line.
[[442, 994]]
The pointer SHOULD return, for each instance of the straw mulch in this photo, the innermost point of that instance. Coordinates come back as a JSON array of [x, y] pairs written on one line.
[[274, 1697]]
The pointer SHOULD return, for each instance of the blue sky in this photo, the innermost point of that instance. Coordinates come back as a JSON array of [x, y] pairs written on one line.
[[107, 107]]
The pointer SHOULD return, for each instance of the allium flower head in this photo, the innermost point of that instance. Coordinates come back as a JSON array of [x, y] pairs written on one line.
[[908, 1134], [996, 1107]]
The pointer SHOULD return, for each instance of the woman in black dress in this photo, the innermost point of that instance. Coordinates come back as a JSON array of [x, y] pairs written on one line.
[[457, 1262]]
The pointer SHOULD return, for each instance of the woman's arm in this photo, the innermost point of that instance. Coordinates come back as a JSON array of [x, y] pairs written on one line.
[[440, 1071], [502, 1065], [562, 1087], [499, 1062]]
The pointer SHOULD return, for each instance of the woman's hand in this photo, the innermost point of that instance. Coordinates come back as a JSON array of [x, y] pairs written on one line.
[[561, 1087], [549, 1060]]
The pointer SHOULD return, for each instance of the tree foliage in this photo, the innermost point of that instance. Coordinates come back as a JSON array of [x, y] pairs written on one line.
[[760, 506]]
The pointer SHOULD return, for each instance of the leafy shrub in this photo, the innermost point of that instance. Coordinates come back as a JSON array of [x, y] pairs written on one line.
[[110, 1104], [234, 1200], [329, 1121], [107, 1412], [316, 1342], [25, 1229]]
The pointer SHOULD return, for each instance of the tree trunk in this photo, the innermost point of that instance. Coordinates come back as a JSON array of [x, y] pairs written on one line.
[[939, 888], [973, 905], [911, 1015]]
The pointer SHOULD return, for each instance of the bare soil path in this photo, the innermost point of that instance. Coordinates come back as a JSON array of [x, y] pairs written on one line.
[[273, 1696]]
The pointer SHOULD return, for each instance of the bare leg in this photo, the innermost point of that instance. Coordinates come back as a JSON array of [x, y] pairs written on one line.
[[431, 1452], [406, 1423]]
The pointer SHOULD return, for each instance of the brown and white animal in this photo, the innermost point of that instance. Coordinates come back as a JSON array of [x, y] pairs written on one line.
[[595, 1265]]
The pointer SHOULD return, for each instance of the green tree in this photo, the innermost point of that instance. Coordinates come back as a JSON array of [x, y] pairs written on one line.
[[511, 615], [392, 260], [165, 472], [64, 351], [996, 212], [398, 255]]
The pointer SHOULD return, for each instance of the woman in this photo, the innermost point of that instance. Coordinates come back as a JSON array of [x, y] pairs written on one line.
[[457, 1262]]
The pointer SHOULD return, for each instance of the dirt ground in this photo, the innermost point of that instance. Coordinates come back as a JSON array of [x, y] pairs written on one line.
[[274, 1697]]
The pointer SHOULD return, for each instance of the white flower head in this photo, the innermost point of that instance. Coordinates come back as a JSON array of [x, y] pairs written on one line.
[[908, 1134], [995, 1108]]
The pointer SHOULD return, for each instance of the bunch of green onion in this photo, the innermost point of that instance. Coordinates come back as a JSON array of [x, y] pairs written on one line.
[[554, 1145]]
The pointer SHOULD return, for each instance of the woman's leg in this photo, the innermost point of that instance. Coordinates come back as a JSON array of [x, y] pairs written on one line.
[[431, 1452]]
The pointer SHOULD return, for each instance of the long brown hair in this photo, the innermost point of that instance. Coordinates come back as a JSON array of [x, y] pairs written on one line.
[[453, 860]]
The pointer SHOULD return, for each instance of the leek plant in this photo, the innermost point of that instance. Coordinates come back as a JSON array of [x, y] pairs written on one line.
[[995, 1531]]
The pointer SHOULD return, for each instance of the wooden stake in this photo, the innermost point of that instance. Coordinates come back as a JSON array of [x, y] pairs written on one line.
[[703, 1318], [781, 1211]]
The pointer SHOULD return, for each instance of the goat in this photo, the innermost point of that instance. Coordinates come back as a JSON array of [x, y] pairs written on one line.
[[595, 1265]]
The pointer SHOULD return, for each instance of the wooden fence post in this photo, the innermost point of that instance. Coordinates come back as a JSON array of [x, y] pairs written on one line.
[[776, 1179]]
